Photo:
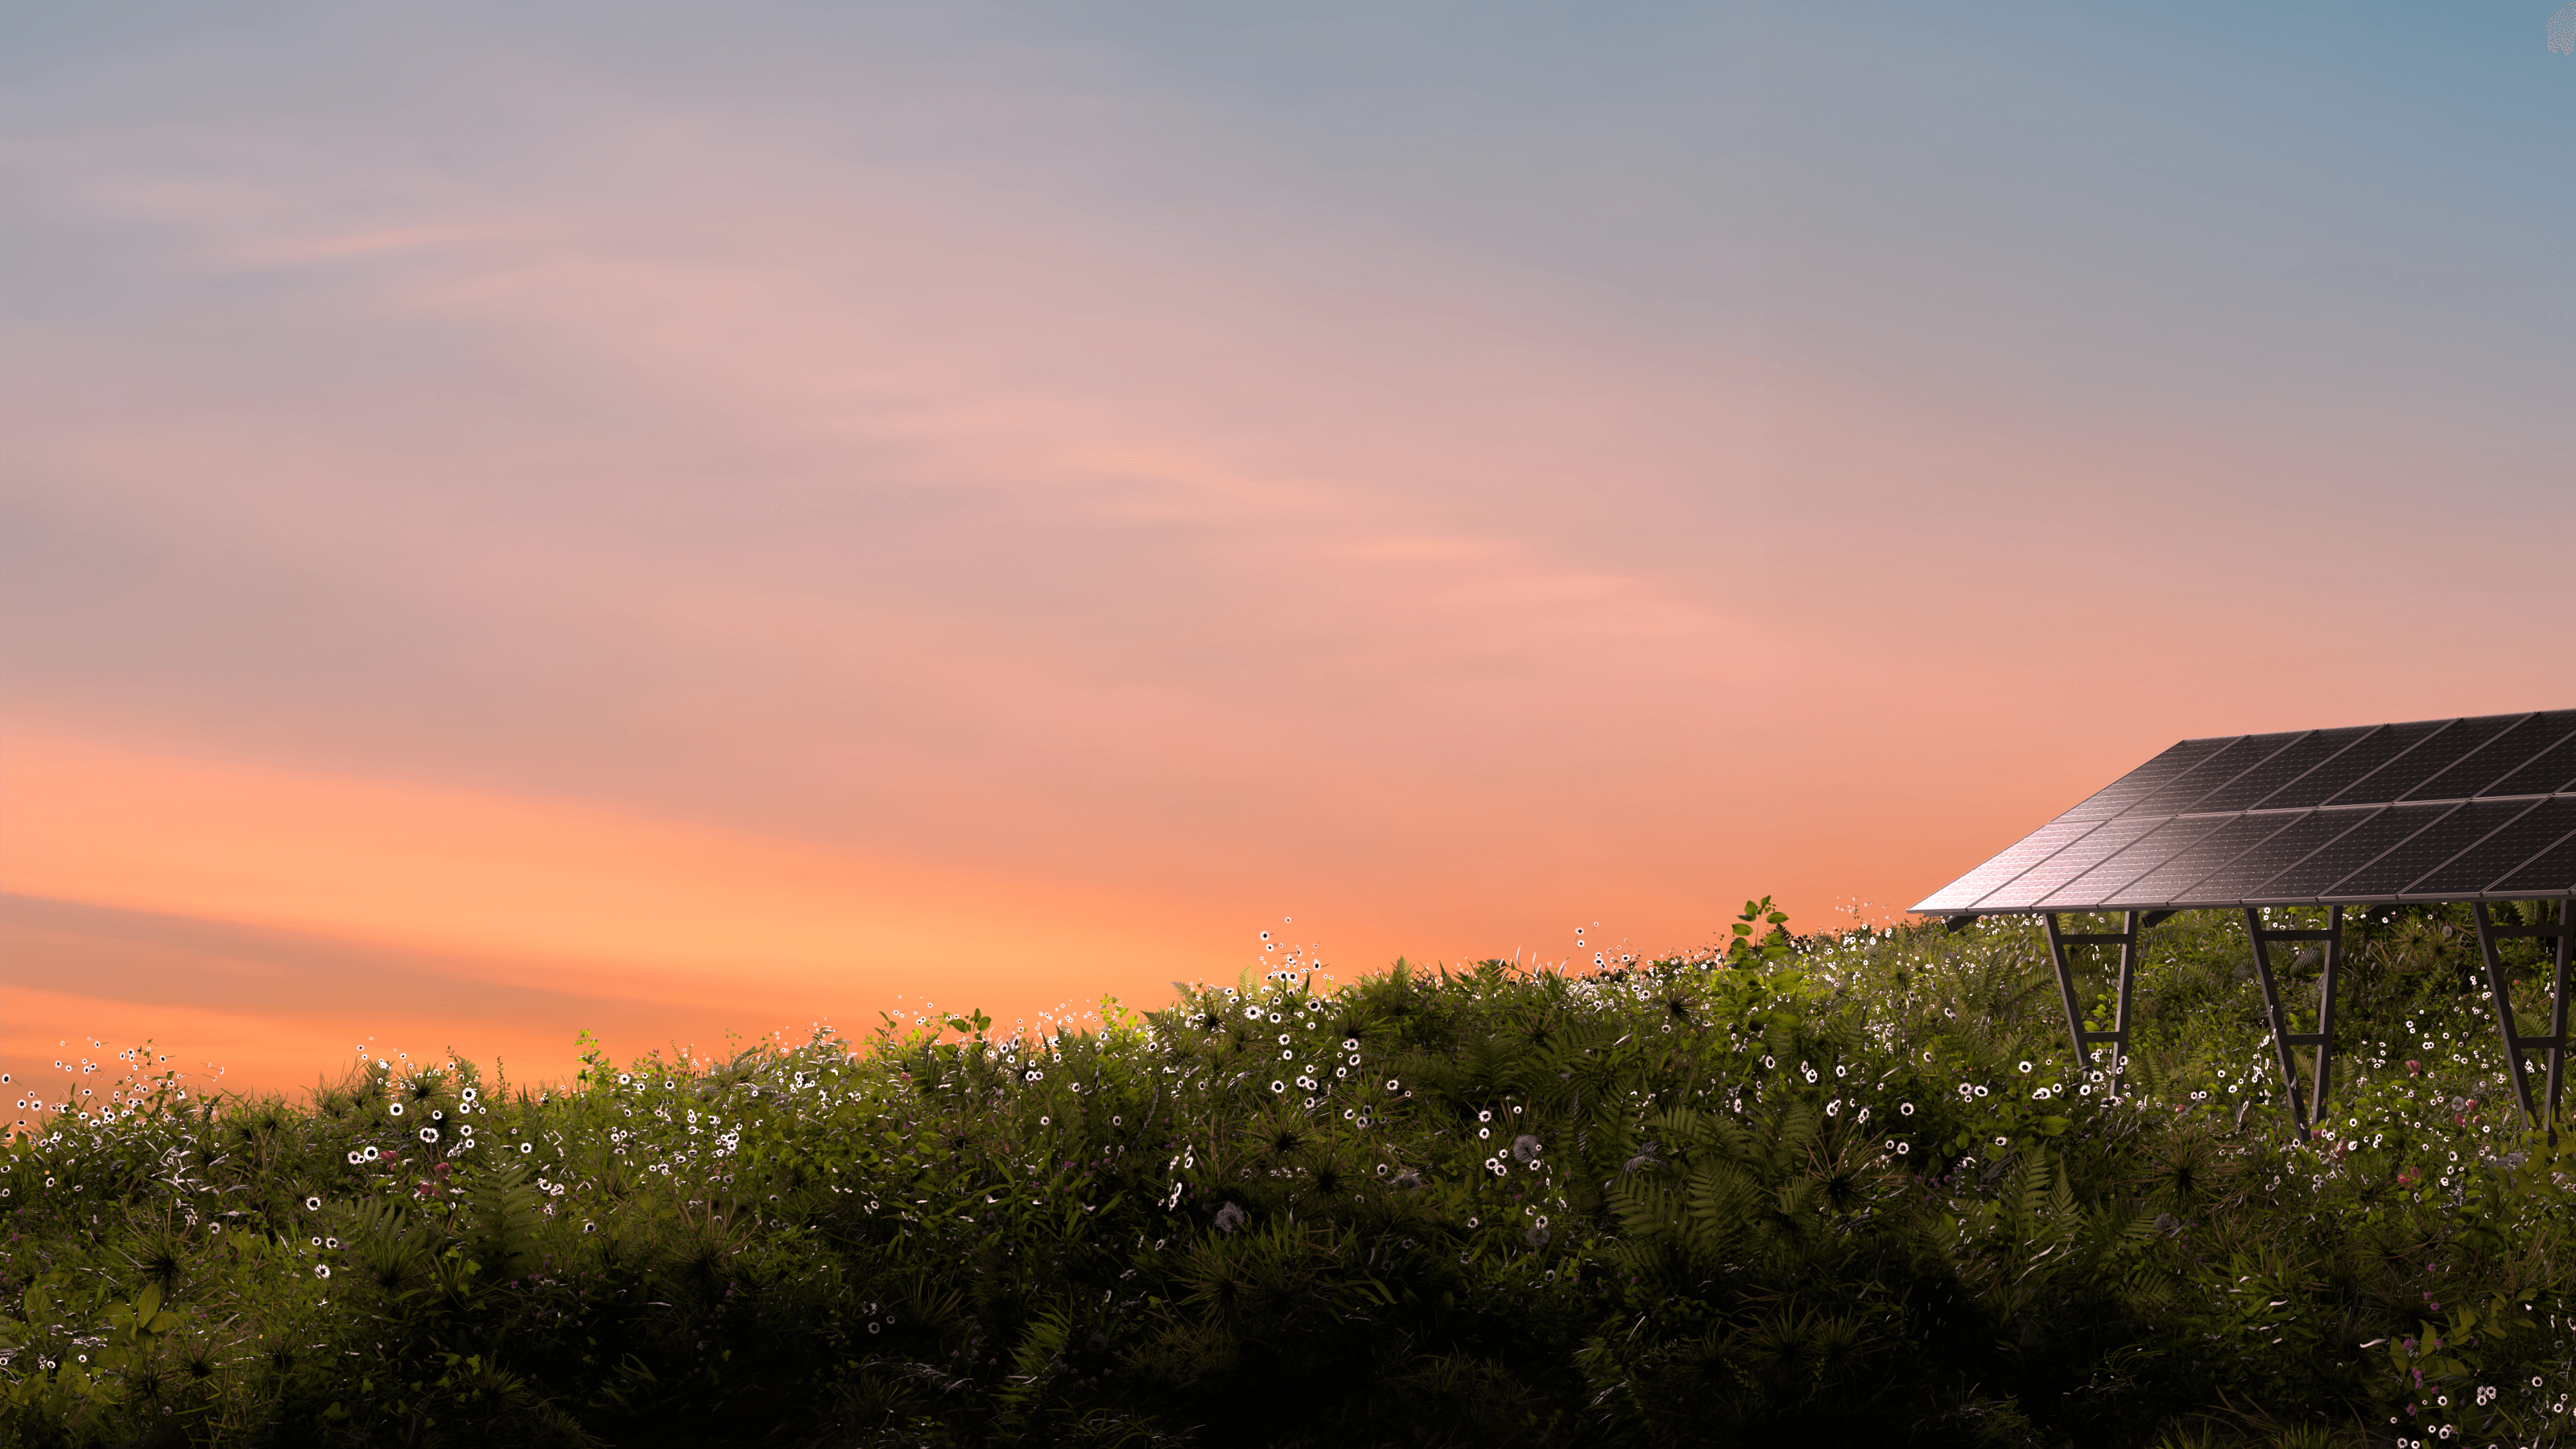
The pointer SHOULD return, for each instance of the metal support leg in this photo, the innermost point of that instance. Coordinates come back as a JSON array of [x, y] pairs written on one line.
[[2500, 990], [2118, 1036], [2558, 1016], [2303, 1119]]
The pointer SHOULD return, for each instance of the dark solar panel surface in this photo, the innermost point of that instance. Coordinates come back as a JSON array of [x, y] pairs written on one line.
[[2462, 809], [2331, 778]]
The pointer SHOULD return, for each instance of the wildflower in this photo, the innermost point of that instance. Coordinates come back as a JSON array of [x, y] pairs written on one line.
[[312, 1204], [1230, 1217], [394, 1108], [1278, 1086], [1905, 1109], [429, 1134]]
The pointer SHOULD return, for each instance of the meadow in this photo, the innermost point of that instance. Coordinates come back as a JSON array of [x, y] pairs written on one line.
[[1843, 1187]]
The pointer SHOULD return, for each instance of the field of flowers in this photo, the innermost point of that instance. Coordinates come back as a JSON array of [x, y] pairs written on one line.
[[1847, 1187]]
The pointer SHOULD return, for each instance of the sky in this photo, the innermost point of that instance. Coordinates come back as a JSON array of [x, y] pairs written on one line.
[[690, 522]]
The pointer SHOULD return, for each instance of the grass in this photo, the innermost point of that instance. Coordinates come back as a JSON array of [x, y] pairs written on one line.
[[1848, 1187]]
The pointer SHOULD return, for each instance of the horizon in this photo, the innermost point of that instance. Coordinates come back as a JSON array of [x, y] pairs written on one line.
[[664, 524]]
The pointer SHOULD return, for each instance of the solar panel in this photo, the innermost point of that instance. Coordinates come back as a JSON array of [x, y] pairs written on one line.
[[2479, 808]]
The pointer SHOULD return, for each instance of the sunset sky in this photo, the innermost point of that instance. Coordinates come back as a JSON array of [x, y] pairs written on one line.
[[676, 520]]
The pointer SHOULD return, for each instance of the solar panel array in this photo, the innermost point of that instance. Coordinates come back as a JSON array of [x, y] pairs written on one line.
[[2482, 808]]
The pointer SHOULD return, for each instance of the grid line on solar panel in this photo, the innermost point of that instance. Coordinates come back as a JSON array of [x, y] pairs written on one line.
[[2247, 752], [2104, 881], [2376, 828], [2447, 747], [2428, 849], [2540, 825], [2357, 761], [2550, 771], [2276, 852], [2080, 856], [2302, 755], [2497, 758], [2552, 872], [2251, 876], [2021, 855], [2125, 791], [2167, 882]]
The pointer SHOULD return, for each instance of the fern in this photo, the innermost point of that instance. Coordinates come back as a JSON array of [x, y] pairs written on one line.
[[507, 1209]]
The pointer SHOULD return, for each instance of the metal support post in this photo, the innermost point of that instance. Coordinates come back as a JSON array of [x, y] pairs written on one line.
[[2500, 991], [2118, 1036], [2303, 1120]]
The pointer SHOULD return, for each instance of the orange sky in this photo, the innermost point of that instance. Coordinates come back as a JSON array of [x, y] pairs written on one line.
[[514, 525]]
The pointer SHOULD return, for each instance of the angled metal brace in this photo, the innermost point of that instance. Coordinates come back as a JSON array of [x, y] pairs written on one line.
[[2499, 991], [2118, 1036], [2304, 1115]]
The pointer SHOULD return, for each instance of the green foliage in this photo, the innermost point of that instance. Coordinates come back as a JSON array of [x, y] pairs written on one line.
[[1838, 1188]]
